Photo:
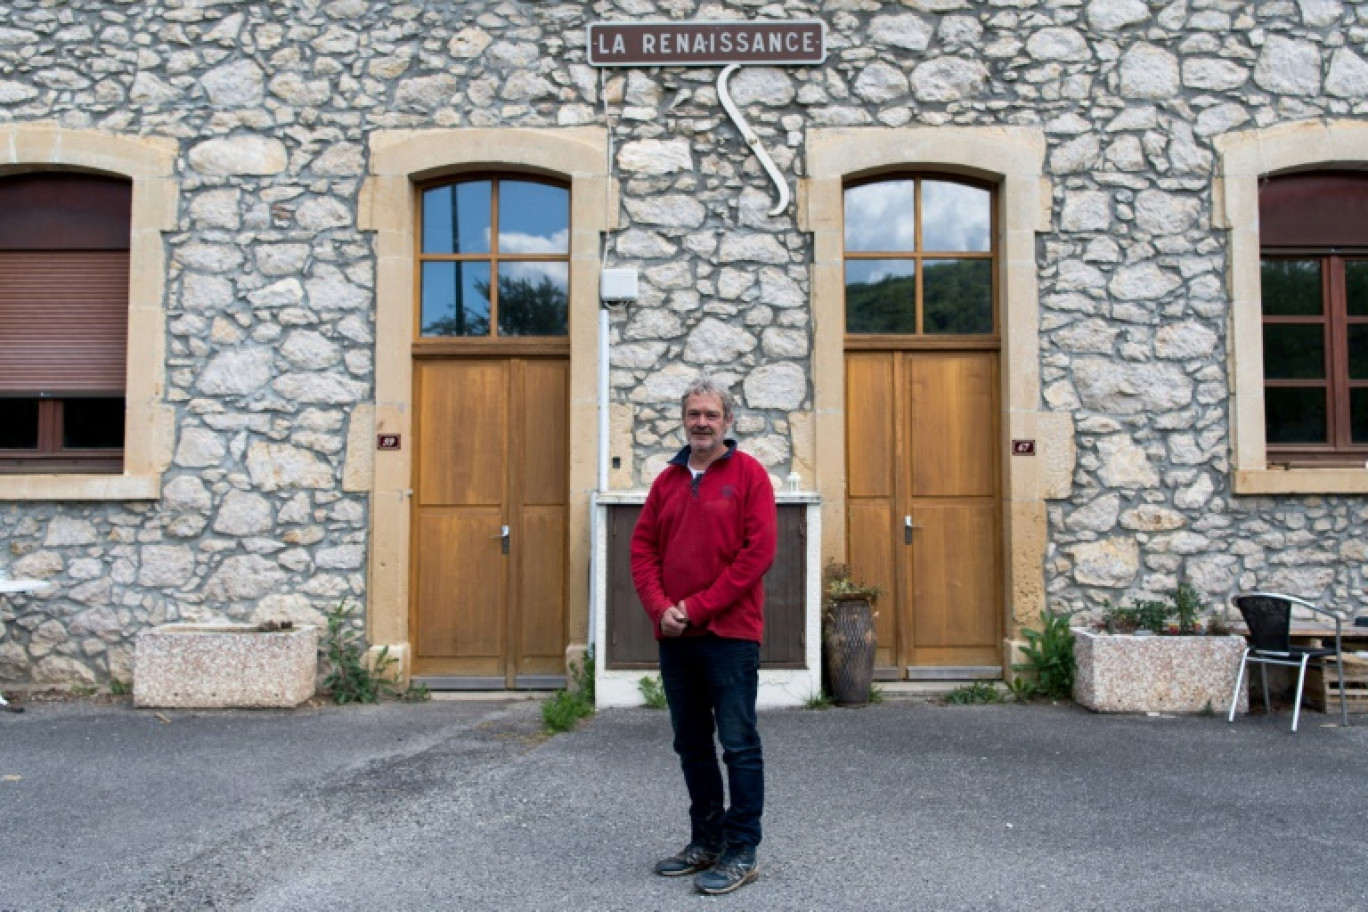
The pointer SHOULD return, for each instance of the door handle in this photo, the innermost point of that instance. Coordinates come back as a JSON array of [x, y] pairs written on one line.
[[907, 530], [503, 539]]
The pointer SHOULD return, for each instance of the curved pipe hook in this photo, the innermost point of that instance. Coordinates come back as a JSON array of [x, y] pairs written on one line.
[[752, 140]]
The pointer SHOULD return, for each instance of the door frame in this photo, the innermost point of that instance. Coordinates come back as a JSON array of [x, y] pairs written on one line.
[[399, 161], [1013, 158]]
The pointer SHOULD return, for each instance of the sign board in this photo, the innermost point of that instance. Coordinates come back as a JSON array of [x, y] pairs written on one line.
[[387, 441], [1023, 447], [707, 43]]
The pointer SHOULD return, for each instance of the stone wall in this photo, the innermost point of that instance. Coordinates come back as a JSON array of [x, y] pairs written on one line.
[[270, 304]]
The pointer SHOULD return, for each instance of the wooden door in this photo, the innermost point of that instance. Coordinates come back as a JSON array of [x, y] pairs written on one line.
[[488, 608], [923, 508]]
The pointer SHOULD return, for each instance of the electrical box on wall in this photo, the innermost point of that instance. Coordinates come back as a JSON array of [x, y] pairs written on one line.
[[617, 286]]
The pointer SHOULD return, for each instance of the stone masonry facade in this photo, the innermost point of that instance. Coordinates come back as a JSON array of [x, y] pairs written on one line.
[[270, 306]]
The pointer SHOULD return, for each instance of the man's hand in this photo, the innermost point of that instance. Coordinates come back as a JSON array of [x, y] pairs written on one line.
[[674, 620]]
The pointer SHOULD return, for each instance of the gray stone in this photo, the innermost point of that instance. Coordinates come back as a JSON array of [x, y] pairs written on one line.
[[1125, 465], [908, 31], [1149, 72], [1110, 15], [243, 578], [757, 248], [309, 350], [165, 566], [65, 531], [330, 389], [1186, 341], [1142, 282], [949, 79], [1165, 213], [323, 213], [880, 82], [669, 211], [716, 342], [776, 386], [1097, 516], [1288, 66], [185, 492], [199, 447], [275, 467], [1120, 388], [1086, 210], [1058, 44], [761, 85], [244, 154], [236, 372], [235, 85], [1214, 74], [243, 513], [1111, 563], [655, 156], [1348, 77]]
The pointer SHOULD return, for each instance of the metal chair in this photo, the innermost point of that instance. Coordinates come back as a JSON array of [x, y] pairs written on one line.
[[1268, 616]]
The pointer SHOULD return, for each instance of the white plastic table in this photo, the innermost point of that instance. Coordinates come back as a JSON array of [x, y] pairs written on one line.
[[8, 587]]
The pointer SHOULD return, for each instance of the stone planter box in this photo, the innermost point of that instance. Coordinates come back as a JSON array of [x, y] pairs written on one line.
[[209, 666], [1175, 674]]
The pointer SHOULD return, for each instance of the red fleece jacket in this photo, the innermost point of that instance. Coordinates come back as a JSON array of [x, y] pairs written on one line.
[[707, 544]]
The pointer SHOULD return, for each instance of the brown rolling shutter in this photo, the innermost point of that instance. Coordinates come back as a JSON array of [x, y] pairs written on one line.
[[1321, 209], [63, 321]]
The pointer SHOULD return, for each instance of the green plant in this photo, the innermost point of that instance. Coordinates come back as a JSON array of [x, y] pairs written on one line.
[[569, 705], [1187, 606], [876, 693], [1022, 689], [350, 679], [1049, 653], [120, 688], [652, 692], [1144, 614], [977, 692], [839, 584], [818, 700], [416, 693]]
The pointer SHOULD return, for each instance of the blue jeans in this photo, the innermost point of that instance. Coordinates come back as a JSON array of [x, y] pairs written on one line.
[[710, 683]]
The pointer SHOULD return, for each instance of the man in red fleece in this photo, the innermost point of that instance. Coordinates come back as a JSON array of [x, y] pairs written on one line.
[[705, 538]]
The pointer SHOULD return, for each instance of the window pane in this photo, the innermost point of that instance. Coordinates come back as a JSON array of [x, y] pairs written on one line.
[[1356, 287], [1294, 351], [455, 299], [18, 424], [1358, 351], [533, 218], [955, 217], [1358, 415], [957, 296], [881, 296], [1291, 288], [92, 424], [881, 217], [1295, 415], [533, 298], [456, 218]]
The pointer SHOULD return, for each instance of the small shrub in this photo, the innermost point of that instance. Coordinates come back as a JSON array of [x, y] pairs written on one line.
[[876, 693], [652, 692], [1049, 653], [120, 688], [978, 692], [350, 679], [569, 705], [818, 700]]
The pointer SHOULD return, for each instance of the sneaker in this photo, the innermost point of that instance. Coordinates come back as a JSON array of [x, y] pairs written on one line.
[[689, 860], [735, 869]]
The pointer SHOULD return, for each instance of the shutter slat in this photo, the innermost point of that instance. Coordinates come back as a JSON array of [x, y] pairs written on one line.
[[63, 320]]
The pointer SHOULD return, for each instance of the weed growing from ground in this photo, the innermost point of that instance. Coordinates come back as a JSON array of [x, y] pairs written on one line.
[[120, 688], [978, 692], [569, 705], [350, 679], [652, 692], [1049, 653], [818, 700]]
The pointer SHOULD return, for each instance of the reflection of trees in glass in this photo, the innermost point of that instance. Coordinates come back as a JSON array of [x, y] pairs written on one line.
[[958, 297], [528, 309], [458, 325], [1291, 287], [886, 306]]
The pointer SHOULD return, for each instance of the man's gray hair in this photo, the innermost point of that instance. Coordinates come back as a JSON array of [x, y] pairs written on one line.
[[704, 385]]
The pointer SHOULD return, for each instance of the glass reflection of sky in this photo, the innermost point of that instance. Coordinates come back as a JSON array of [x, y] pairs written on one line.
[[461, 211], [955, 217], [868, 272], [453, 302], [557, 273], [533, 218], [880, 217]]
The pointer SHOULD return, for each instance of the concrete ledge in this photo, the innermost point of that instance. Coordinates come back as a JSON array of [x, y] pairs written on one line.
[[209, 666], [1178, 674]]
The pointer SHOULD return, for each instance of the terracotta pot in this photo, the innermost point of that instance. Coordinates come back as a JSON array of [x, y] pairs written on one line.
[[848, 644]]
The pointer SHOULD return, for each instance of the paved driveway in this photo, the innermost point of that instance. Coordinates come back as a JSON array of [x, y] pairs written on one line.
[[461, 805]]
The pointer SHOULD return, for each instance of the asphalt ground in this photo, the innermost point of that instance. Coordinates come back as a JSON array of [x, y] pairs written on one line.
[[467, 806]]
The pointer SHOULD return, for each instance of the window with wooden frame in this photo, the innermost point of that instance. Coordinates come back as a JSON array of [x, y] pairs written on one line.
[[1313, 239], [494, 259], [919, 261], [64, 278]]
